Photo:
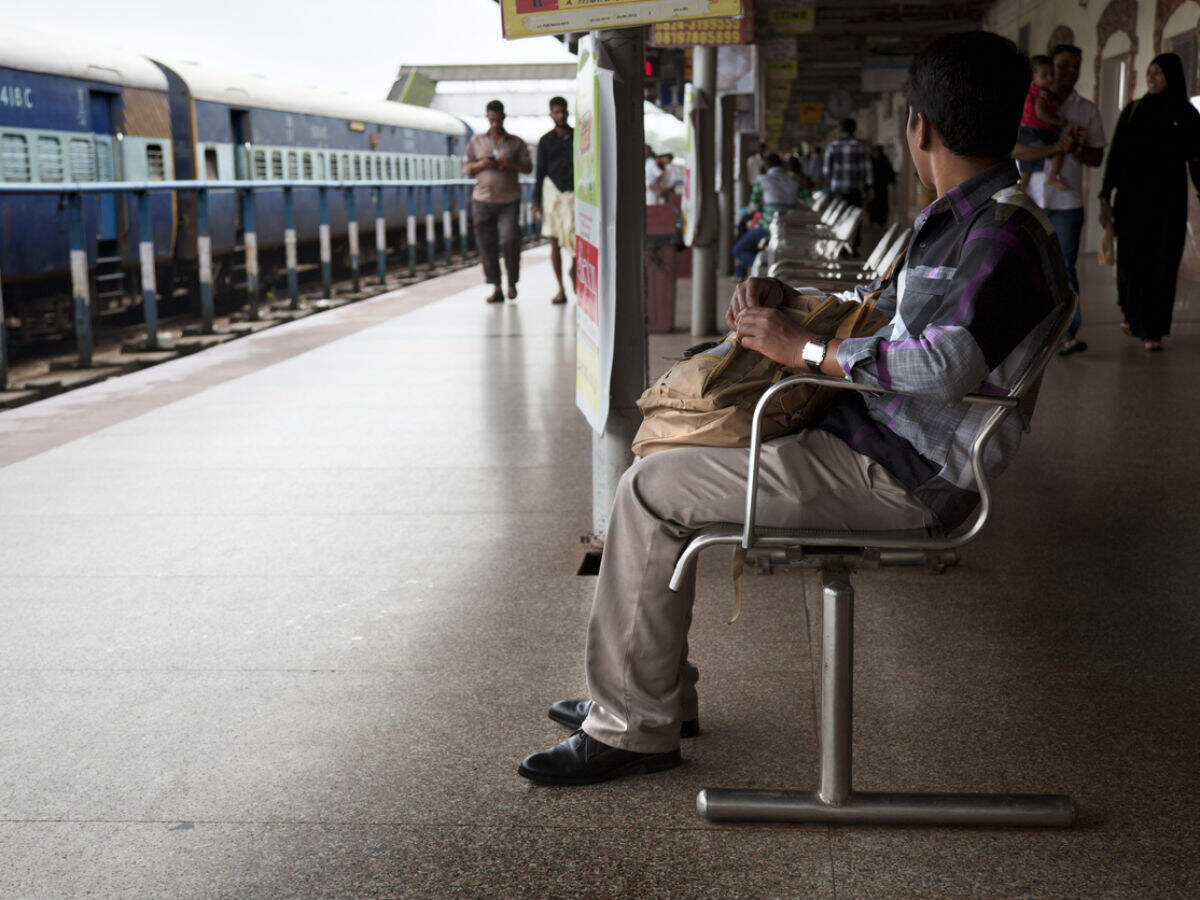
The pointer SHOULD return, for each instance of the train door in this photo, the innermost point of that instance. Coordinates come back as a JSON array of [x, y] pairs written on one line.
[[239, 126], [102, 135]]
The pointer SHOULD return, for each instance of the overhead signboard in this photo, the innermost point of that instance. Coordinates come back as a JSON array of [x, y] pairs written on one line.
[[528, 18], [703, 32], [885, 74], [714, 32], [810, 113], [791, 16]]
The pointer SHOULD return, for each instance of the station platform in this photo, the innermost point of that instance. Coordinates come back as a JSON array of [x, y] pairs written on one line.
[[281, 618]]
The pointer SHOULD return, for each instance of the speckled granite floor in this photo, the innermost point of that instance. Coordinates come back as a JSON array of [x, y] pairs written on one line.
[[281, 618]]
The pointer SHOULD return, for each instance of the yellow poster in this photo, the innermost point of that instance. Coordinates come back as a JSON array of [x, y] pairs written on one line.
[[811, 113], [792, 16], [527, 18]]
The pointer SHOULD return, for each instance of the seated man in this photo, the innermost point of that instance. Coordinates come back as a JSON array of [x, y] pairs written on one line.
[[975, 302], [774, 192]]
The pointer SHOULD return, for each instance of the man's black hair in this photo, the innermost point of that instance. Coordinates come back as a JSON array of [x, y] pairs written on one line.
[[1065, 48], [849, 126], [495, 106], [558, 101], [1041, 61], [971, 86], [773, 160]]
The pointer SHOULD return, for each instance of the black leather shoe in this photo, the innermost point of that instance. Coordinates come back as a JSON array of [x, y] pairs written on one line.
[[581, 759], [572, 713]]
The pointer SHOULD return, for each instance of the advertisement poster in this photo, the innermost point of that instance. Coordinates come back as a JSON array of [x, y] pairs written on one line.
[[792, 16], [527, 18], [595, 235], [712, 32], [688, 206]]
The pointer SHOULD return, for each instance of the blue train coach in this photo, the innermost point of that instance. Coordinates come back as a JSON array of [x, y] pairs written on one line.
[[74, 111]]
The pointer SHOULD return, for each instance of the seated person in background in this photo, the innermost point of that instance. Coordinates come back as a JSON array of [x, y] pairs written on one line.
[[774, 191], [1041, 125], [975, 303]]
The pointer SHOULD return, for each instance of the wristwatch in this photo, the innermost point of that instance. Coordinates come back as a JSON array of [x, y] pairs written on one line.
[[814, 353]]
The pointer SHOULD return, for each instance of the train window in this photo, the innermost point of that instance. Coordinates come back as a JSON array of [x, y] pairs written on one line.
[[15, 152], [277, 165], [155, 169], [306, 166], [83, 161], [321, 166], [357, 167], [388, 169], [293, 168], [333, 166], [50, 159], [211, 171], [346, 166], [260, 164]]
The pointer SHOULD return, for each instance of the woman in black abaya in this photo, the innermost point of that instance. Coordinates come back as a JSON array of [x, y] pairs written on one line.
[[1156, 143]]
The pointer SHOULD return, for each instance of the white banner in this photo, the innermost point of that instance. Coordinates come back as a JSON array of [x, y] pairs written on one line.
[[688, 207], [595, 235]]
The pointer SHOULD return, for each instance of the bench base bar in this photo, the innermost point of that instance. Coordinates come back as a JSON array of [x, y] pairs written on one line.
[[751, 805]]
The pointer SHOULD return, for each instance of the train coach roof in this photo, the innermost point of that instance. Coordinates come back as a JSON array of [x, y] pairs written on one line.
[[60, 54], [215, 85]]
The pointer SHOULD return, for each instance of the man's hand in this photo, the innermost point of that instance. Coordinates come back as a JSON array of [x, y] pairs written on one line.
[[1106, 215], [537, 214], [773, 334], [754, 292]]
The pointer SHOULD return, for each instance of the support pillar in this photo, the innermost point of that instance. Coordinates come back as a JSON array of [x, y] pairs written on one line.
[[3, 343], [611, 456], [146, 258], [352, 238], [326, 244], [725, 208], [204, 262], [80, 293], [704, 271], [289, 248]]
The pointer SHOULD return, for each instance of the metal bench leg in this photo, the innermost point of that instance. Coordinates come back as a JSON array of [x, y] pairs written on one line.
[[836, 801]]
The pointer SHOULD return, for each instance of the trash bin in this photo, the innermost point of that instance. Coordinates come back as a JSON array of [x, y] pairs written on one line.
[[660, 268]]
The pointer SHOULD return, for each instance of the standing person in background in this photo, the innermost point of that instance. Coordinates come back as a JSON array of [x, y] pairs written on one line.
[[1084, 146], [1156, 143], [882, 176], [814, 163], [656, 178], [666, 162], [496, 160], [554, 191], [848, 170], [756, 164], [773, 192]]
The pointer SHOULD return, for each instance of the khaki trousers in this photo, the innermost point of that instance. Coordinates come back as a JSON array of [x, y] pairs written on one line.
[[638, 672]]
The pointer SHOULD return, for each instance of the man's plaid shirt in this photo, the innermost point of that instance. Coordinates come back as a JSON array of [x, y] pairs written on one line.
[[847, 165], [974, 303]]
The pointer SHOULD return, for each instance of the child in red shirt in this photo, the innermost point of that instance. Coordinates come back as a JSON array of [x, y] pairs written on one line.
[[1041, 124]]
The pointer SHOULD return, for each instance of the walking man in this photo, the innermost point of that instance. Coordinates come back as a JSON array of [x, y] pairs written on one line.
[[1065, 207], [496, 160], [848, 169], [554, 191]]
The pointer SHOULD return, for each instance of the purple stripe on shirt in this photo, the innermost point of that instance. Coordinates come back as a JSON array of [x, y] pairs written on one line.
[[893, 405]]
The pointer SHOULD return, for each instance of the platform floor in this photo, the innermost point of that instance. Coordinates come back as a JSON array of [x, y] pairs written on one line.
[[281, 618]]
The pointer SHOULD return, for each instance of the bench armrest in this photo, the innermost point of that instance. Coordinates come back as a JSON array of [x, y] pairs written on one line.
[[1002, 406]]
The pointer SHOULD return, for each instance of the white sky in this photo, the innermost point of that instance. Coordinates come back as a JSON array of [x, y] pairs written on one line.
[[343, 46]]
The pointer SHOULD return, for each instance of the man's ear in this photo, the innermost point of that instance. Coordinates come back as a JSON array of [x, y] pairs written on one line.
[[924, 132]]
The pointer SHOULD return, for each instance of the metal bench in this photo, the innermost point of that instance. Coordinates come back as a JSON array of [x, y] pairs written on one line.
[[837, 554]]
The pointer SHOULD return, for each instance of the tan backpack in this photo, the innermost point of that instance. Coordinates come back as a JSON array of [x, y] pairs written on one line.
[[707, 399]]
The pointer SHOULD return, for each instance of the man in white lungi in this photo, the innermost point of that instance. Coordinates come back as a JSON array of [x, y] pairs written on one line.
[[554, 192]]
